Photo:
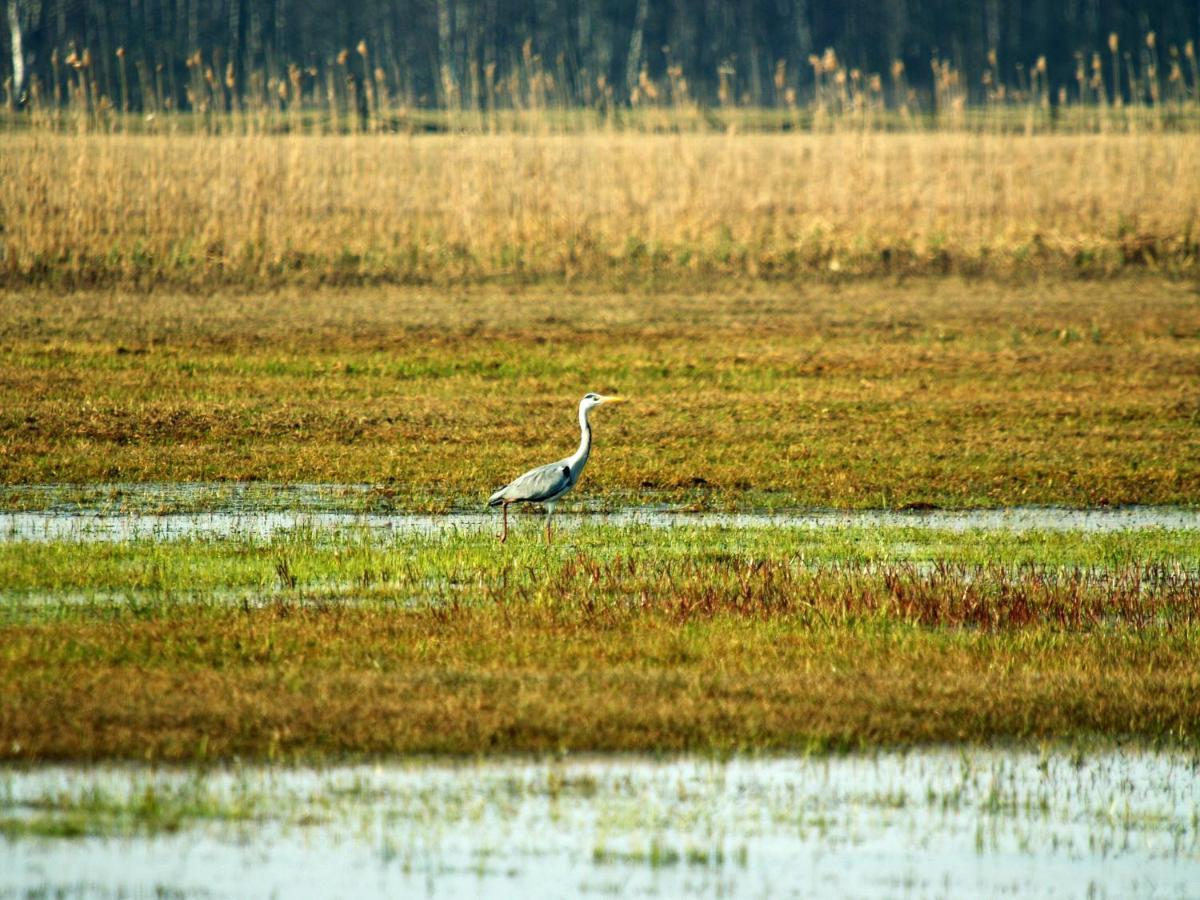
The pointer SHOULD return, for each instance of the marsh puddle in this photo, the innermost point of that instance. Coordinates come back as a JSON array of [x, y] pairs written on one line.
[[167, 511], [96, 524], [929, 823]]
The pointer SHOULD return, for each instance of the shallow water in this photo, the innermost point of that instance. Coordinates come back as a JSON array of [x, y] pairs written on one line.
[[930, 823], [98, 525], [169, 511]]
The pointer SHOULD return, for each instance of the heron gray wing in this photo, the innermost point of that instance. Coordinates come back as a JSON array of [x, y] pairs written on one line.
[[538, 485]]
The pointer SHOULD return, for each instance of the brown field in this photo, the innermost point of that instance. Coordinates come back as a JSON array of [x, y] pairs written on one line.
[[872, 394]]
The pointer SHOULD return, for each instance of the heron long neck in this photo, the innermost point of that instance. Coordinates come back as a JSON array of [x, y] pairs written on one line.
[[585, 441]]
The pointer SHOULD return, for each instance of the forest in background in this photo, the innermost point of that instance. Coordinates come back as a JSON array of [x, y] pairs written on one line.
[[149, 54]]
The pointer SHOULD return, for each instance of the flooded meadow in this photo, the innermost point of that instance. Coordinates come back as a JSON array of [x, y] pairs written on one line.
[[936, 822], [359, 702], [161, 511]]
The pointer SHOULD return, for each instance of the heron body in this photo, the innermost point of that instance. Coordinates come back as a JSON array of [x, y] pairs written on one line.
[[546, 484]]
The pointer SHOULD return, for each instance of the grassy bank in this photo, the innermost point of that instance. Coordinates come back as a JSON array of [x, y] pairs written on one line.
[[878, 393], [261, 210], [312, 646]]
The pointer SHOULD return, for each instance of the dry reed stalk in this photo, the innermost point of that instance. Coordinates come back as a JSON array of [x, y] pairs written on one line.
[[105, 207]]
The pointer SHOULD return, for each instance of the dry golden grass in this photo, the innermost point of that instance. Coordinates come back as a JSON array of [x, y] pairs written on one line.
[[197, 209]]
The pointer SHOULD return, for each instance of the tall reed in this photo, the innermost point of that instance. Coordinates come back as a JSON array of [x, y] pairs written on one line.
[[201, 209], [356, 92]]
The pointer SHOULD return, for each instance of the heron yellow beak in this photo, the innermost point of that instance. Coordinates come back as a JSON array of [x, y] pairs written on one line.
[[612, 400]]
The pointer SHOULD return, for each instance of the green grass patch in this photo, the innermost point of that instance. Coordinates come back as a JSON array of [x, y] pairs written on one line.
[[361, 563], [146, 807]]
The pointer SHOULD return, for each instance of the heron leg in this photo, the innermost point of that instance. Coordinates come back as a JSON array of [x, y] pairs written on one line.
[[549, 513], [504, 533]]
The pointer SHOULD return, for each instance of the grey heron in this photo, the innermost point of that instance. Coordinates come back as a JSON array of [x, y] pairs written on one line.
[[546, 484]]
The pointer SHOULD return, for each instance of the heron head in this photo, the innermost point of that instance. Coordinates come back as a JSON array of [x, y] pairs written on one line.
[[590, 401]]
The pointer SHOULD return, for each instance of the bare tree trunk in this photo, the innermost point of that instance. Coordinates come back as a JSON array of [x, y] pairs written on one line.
[[18, 53], [802, 34], [633, 62], [991, 20], [446, 78]]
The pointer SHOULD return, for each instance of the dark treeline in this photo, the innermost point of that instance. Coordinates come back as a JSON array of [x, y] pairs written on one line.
[[450, 52]]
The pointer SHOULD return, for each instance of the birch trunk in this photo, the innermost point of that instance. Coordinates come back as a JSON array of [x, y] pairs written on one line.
[[18, 53]]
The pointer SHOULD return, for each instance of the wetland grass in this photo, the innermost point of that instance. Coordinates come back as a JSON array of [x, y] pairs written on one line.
[[468, 284], [294, 682], [610, 642], [144, 806], [875, 394], [768, 567]]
